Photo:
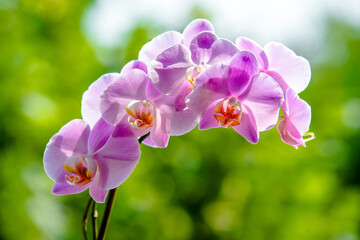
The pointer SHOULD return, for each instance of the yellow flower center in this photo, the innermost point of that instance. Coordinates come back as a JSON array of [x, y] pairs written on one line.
[[228, 113]]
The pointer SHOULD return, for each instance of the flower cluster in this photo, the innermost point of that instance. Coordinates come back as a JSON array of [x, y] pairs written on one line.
[[179, 81]]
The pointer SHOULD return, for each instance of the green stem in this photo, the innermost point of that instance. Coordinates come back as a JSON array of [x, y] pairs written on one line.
[[110, 203], [84, 218], [94, 215]]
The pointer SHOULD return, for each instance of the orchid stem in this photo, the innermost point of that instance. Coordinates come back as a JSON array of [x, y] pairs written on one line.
[[107, 213], [94, 215], [110, 203], [84, 218]]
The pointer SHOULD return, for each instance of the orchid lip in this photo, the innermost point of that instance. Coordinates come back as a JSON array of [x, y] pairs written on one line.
[[141, 114], [228, 112], [81, 168]]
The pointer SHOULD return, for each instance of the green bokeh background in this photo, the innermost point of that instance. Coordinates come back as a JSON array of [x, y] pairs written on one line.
[[207, 184]]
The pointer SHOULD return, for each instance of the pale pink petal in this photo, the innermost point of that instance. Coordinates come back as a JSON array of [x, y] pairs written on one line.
[[264, 97], [210, 86], [208, 120], [295, 70], [200, 47], [130, 86], [298, 111], [242, 68], [194, 28], [151, 91], [116, 160], [135, 64], [99, 135], [247, 127], [167, 72], [222, 51], [245, 44], [289, 134], [98, 194], [71, 140], [159, 44], [90, 103], [65, 189]]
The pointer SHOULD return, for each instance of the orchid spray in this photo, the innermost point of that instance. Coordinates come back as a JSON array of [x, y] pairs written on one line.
[[179, 81]]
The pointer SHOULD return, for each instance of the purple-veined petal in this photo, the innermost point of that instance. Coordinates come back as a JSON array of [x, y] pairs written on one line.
[[247, 127], [130, 86], [99, 135], [65, 189], [135, 64], [245, 44], [264, 97], [200, 47], [295, 70], [298, 111], [116, 160], [207, 120], [159, 44], [167, 72], [71, 140], [90, 103], [222, 51], [289, 134], [242, 68], [210, 86], [98, 194], [194, 28]]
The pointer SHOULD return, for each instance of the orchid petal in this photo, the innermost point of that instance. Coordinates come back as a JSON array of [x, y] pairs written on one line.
[[90, 103], [264, 97], [99, 195], [295, 70], [222, 51], [207, 119], [160, 133], [130, 86], [245, 44], [289, 134], [116, 160], [247, 127], [200, 47], [70, 140], [242, 68], [135, 64], [65, 189], [159, 44], [299, 111], [167, 72], [99, 135], [194, 28]]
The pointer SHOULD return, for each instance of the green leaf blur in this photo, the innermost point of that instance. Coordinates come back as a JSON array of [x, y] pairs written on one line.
[[207, 184]]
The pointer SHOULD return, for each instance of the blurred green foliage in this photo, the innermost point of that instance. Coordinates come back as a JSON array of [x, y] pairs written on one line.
[[206, 184]]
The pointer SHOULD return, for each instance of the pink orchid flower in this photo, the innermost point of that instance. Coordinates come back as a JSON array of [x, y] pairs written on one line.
[[133, 101], [236, 96], [77, 158], [296, 120], [175, 60], [278, 61]]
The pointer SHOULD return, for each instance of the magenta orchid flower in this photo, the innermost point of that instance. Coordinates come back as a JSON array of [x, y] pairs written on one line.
[[77, 158], [278, 61], [133, 101], [296, 120], [175, 60], [236, 96]]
